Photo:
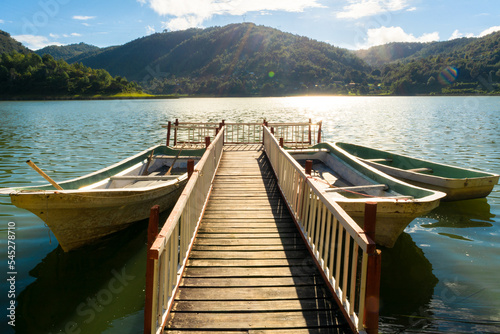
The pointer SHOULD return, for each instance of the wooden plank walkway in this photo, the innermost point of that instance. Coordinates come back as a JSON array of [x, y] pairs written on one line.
[[249, 270]]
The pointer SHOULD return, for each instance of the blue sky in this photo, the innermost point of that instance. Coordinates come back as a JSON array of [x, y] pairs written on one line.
[[352, 24]]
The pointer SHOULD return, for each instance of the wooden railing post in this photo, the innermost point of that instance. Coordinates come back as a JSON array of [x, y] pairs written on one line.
[[310, 137], [319, 132], [190, 168], [168, 132], [282, 142], [176, 124], [207, 141], [372, 299], [309, 165], [154, 219]]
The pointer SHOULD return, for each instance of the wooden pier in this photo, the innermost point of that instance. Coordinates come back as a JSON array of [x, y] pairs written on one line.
[[239, 255], [249, 269]]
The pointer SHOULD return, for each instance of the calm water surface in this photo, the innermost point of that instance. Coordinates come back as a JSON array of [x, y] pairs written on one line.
[[443, 275]]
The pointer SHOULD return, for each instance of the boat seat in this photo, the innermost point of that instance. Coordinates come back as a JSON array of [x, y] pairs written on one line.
[[308, 150], [358, 188], [144, 178], [379, 160], [420, 170]]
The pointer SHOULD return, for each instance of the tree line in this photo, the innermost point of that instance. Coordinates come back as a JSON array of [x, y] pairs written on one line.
[[30, 74]]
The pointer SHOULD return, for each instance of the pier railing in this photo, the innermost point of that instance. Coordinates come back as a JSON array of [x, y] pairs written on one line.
[[168, 254], [348, 258], [194, 134]]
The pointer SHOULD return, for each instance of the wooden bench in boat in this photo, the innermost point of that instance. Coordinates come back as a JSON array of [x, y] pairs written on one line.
[[379, 160], [308, 150], [194, 157], [420, 170], [358, 188], [144, 177]]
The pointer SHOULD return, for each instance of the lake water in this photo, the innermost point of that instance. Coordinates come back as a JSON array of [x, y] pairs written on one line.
[[443, 275]]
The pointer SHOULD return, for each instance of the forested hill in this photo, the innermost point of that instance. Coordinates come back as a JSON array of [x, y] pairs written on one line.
[[238, 59], [404, 52], [8, 44], [67, 52]]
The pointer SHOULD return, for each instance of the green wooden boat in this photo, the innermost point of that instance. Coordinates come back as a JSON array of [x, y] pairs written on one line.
[[351, 183], [458, 183], [98, 204]]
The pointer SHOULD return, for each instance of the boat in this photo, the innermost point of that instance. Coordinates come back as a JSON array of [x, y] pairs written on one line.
[[101, 203], [458, 183], [351, 183]]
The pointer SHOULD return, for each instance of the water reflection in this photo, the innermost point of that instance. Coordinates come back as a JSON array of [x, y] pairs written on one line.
[[462, 214], [88, 288], [407, 285]]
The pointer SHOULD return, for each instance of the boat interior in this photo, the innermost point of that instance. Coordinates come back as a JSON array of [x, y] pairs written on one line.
[[340, 180], [154, 171]]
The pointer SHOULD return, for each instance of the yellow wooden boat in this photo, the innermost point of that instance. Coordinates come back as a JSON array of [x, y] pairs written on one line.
[[93, 206]]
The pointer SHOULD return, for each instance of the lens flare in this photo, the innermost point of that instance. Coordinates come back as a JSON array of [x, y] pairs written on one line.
[[448, 75], [271, 74]]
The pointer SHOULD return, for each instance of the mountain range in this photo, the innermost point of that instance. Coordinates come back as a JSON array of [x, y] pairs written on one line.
[[246, 59]]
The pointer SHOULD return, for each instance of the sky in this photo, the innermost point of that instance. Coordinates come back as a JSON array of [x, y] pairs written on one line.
[[351, 24]]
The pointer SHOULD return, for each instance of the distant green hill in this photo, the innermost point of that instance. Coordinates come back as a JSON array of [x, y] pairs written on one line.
[[8, 44], [464, 66], [237, 59], [31, 76], [67, 52]]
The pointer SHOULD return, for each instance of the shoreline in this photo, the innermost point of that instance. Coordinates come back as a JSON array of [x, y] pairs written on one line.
[[165, 97]]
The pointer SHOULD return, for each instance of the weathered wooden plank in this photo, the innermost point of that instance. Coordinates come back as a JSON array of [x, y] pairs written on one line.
[[246, 229], [248, 235], [239, 248], [252, 293], [250, 221], [256, 320], [196, 254], [250, 272], [250, 281], [245, 214], [261, 331], [246, 241], [249, 262]]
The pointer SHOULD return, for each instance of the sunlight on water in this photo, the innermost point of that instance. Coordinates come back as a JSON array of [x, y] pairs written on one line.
[[441, 276]]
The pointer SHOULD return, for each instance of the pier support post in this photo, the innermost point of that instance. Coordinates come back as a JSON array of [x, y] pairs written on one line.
[[154, 220], [372, 299], [309, 165], [190, 168]]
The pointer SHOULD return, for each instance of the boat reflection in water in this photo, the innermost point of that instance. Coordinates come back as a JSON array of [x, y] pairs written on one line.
[[462, 214], [406, 287], [85, 290]]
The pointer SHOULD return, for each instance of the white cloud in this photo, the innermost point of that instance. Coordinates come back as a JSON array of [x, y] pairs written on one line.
[[384, 35], [363, 8], [457, 34], [193, 13], [489, 31], [83, 18], [34, 42], [150, 30], [2, 21]]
